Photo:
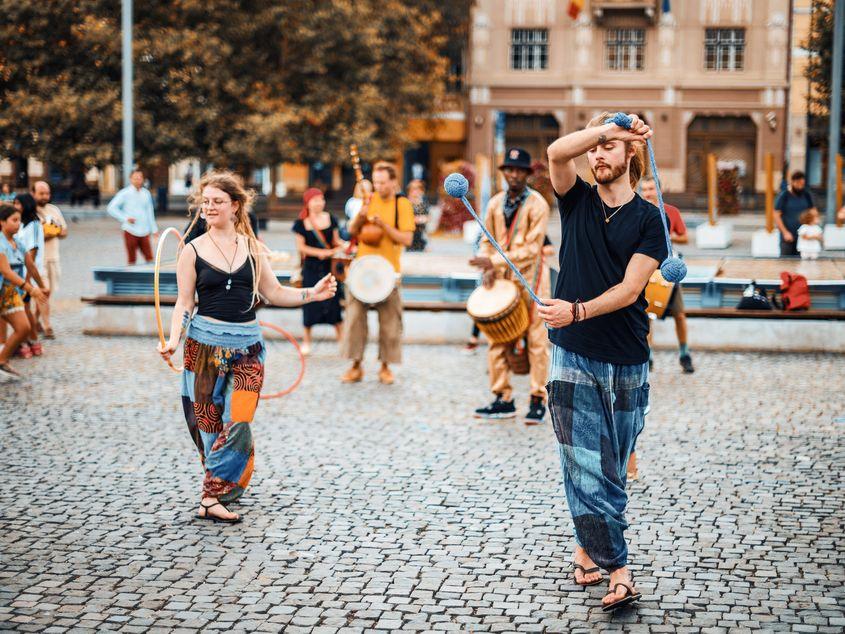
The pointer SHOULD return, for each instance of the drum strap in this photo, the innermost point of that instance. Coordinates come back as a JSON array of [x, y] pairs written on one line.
[[396, 211], [537, 279], [514, 225], [320, 237]]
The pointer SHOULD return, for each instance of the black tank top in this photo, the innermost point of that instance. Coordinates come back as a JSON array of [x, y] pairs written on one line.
[[233, 305]]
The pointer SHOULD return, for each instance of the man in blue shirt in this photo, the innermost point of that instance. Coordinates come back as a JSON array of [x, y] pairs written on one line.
[[789, 206], [133, 207]]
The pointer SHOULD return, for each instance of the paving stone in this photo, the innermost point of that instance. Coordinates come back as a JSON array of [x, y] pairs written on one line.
[[392, 509]]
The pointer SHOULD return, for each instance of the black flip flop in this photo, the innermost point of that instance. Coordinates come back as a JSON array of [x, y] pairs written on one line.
[[587, 571], [629, 598], [214, 518]]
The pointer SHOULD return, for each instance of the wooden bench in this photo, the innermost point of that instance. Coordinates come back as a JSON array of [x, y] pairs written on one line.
[[170, 300], [458, 307]]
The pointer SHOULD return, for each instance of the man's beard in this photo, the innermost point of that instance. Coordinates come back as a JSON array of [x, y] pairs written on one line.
[[615, 172]]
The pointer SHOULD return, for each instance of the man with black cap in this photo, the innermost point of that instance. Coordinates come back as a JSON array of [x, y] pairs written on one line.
[[517, 218]]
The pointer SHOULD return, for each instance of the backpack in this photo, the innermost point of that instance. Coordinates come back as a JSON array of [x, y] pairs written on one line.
[[754, 298], [794, 291]]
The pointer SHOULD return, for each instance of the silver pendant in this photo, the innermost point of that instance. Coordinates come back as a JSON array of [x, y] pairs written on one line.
[[228, 284]]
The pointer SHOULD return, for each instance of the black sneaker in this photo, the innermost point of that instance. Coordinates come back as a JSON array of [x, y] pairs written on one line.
[[497, 409], [536, 411], [686, 364]]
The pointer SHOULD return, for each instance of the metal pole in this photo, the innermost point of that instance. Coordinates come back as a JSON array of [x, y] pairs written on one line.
[[835, 106], [711, 189], [787, 129], [770, 192], [128, 121]]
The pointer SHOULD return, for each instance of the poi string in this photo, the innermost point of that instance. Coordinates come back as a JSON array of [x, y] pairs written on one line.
[[263, 324], [673, 269], [457, 186]]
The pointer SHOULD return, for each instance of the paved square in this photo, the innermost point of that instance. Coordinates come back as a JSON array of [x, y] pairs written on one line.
[[392, 509]]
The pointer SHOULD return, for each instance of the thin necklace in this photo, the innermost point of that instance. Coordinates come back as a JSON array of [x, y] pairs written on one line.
[[228, 261], [616, 211]]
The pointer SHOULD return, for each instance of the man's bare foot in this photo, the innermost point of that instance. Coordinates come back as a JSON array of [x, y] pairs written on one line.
[[583, 560], [211, 507], [621, 587]]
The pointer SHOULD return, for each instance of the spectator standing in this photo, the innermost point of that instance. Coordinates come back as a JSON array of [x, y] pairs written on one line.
[[416, 194], [789, 206], [6, 193], [133, 207], [55, 229], [31, 237], [15, 262]]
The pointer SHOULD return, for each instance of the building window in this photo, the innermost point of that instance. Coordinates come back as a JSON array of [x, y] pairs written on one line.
[[724, 49], [625, 49], [529, 49]]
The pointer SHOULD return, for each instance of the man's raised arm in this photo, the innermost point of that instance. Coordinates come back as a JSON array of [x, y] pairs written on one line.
[[563, 151]]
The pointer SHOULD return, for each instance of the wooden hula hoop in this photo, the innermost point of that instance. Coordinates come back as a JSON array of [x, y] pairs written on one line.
[[156, 296]]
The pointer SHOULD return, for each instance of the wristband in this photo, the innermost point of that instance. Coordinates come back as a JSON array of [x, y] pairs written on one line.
[[576, 313]]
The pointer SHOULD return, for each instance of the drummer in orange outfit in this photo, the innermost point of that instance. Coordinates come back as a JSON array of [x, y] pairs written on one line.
[[394, 214], [517, 219]]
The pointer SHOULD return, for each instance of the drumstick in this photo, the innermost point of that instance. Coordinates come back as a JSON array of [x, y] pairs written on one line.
[[457, 186]]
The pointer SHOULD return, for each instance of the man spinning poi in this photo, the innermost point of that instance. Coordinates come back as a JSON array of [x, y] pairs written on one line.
[[612, 241]]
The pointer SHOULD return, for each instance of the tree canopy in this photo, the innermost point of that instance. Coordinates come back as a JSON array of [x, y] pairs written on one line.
[[819, 71], [237, 83]]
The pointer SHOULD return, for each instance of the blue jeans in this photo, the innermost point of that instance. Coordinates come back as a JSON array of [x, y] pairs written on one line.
[[598, 410]]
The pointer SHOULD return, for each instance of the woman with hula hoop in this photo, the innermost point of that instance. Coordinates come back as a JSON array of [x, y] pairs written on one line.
[[224, 350]]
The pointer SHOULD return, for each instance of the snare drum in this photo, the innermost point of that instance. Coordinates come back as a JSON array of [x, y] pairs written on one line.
[[371, 279], [499, 311]]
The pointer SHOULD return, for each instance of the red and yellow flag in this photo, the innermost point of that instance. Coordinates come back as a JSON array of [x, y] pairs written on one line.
[[575, 7]]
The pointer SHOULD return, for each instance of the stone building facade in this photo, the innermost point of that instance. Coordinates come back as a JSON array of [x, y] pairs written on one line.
[[709, 76]]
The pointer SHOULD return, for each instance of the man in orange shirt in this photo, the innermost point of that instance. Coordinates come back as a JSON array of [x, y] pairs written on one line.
[[395, 216], [678, 233]]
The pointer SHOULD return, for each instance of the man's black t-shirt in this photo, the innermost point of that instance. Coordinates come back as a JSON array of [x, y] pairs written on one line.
[[593, 257]]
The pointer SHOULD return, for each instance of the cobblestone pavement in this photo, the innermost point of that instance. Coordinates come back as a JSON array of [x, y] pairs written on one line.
[[392, 509]]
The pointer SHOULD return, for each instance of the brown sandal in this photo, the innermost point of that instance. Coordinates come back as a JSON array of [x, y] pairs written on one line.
[[587, 571], [629, 598]]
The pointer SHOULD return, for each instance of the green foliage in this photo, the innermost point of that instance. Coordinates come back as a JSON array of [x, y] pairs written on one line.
[[238, 83], [819, 70]]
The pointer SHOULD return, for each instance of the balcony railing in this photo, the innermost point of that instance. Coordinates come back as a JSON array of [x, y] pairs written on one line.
[[606, 8]]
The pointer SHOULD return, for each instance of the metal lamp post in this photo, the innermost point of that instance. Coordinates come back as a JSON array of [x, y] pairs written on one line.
[[127, 97]]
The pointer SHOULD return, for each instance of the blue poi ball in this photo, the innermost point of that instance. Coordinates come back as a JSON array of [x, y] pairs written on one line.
[[456, 185], [673, 270]]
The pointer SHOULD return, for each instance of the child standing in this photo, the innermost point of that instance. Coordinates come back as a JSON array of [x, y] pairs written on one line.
[[809, 235], [14, 261]]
